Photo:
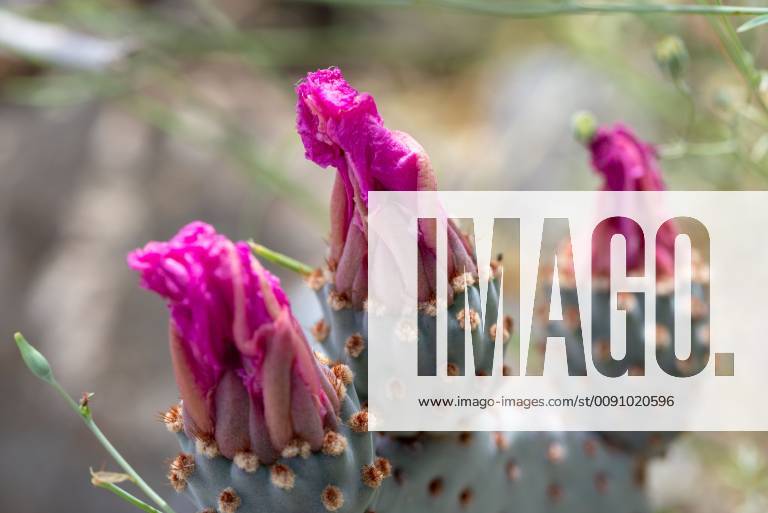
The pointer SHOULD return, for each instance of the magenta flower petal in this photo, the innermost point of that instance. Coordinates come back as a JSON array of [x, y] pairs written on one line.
[[626, 163], [237, 350], [342, 128]]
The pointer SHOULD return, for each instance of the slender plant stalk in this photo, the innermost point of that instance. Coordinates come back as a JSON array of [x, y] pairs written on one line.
[[38, 364], [530, 9], [127, 497], [280, 259]]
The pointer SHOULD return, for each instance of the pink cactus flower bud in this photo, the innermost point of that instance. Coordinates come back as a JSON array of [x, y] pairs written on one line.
[[627, 163], [341, 127], [247, 377]]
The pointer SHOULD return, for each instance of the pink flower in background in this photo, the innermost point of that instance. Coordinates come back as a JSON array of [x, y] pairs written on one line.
[[341, 127], [245, 372], [627, 163]]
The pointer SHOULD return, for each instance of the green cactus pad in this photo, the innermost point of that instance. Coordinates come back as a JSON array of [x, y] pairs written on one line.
[[522, 472], [312, 482]]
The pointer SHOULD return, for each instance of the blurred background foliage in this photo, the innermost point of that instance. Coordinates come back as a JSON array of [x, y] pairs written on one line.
[[120, 120]]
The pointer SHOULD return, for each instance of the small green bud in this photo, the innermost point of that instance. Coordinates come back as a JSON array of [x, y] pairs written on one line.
[[672, 56], [83, 404], [34, 359], [584, 126]]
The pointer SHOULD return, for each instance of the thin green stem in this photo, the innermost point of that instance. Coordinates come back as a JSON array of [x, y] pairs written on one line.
[[85, 413], [127, 497], [280, 259], [521, 10], [687, 149]]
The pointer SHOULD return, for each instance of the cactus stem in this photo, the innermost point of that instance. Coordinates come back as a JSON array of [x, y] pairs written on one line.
[[84, 412], [280, 259]]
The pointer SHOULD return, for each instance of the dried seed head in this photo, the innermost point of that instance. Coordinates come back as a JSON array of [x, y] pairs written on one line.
[[337, 301], [246, 461], [334, 444], [315, 279], [343, 373], [183, 465], [474, 319], [384, 466], [295, 448], [173, 419], [358, 422], [371, 476], [320, 330], [282, 476], [229, 501], [332, 498], [355, 345], [207, 447]]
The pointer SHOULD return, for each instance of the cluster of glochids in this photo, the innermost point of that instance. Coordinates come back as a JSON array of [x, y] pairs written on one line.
[[274, 421]]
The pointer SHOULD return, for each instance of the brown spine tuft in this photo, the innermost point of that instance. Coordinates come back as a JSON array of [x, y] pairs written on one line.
[[358, 422], [371, 476], [332, 498], [343, 373], [334, 444], [384, 466], [282, 476], [229, 501], [355, 345], [173, 419], [246, 461]]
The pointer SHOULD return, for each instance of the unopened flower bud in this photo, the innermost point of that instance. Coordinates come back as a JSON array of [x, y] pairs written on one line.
[[342, 128], [246, 374], [627, 163], [584, 126], [672, 56]]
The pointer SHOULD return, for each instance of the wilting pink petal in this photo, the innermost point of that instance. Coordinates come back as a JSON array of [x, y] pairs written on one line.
[[341, 127], [626, 163]]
